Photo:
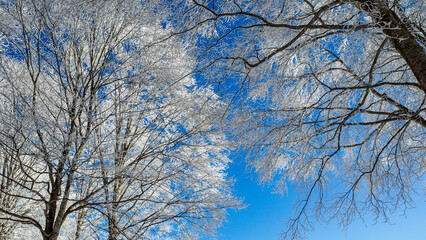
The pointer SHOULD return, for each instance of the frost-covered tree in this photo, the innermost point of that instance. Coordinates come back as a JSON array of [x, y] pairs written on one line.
[[333, 96], [102, 134]]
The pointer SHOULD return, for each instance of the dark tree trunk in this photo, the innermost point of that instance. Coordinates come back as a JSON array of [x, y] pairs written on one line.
[[401, 38]]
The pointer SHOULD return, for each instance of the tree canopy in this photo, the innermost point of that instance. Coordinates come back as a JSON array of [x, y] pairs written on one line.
[[117, 116], [103, 135], [327, 94]]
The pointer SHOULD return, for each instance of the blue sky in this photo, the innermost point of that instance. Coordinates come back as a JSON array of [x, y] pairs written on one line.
[[266, 215]]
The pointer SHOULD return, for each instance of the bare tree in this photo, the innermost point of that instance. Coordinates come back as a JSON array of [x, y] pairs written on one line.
[[105, 131], [332, 95]]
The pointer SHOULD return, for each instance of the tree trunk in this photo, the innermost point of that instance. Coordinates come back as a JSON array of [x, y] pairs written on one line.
[[80, 220], [401, 37], [415, 57], [113, 218]]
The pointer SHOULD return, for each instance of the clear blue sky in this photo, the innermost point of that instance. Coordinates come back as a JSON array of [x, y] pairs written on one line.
[[266, 215]]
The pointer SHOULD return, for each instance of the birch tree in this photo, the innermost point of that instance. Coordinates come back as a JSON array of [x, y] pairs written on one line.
[[332, 95], [103, 135]]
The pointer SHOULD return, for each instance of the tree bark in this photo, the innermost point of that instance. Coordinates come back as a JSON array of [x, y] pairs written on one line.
[[401, 37]]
